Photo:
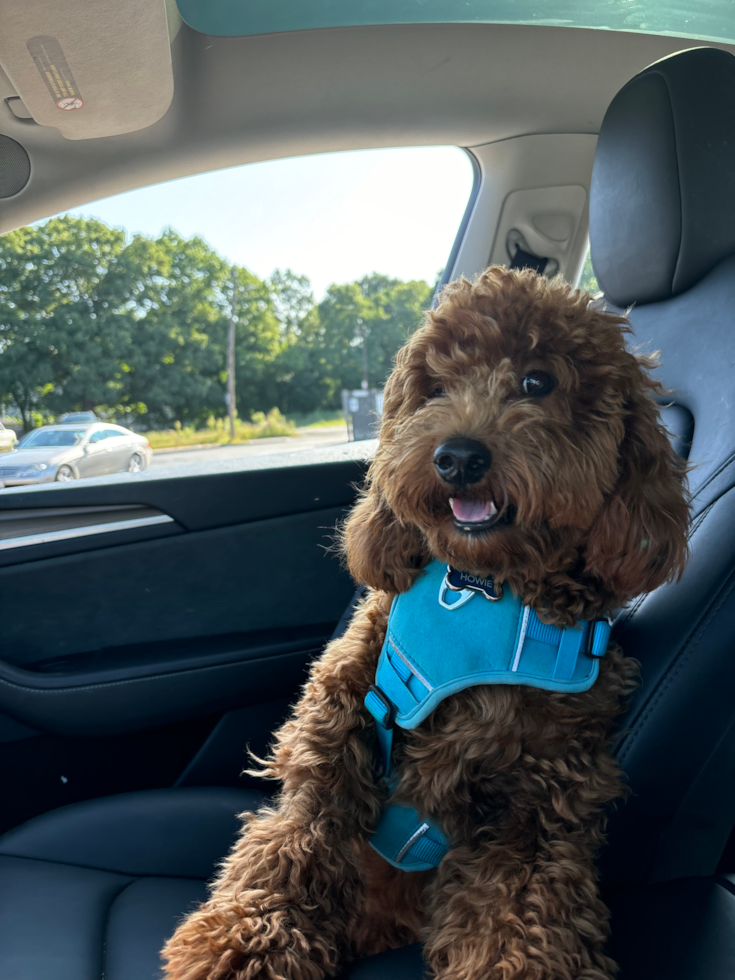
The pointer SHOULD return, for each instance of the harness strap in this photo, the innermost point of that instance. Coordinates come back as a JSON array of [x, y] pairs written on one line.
[[382, 711], [403, 837], [408, 841]]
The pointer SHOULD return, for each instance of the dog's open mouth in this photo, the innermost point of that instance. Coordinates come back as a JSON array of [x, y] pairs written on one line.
[[473, 516]]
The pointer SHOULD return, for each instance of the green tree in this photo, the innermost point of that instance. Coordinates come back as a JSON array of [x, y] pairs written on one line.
[[181, 301], [132, 330], [259, 340], [137, 330], [588, 279], [374, 315], [174, 368], [292, 299], [62, 329]]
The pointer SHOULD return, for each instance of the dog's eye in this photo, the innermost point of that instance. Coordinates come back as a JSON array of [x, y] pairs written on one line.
[[538, 384], [437, 392]]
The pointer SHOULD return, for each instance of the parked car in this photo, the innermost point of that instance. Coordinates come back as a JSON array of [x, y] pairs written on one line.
[[69, 452], [77, 418], [8, 439]]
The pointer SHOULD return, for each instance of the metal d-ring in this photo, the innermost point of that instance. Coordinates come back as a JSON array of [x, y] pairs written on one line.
[[464, 596]]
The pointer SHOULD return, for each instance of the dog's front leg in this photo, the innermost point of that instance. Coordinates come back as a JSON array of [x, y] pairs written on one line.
[[282, 905], [500, 914]]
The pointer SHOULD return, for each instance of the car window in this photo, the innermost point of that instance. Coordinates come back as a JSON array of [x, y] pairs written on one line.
[[587, 278], [97, 436], [295, 279], [711, 21], [51, 437]]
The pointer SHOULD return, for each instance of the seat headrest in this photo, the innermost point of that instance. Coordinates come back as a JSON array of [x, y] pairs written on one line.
[[662, 201]]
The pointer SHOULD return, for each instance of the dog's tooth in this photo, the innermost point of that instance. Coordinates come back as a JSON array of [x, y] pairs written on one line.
[[493, 509]]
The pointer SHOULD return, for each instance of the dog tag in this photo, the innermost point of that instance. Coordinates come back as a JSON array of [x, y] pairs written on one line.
[[458, 581]]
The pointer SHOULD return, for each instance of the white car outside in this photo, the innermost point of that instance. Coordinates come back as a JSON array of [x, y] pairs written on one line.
[[65, 452]]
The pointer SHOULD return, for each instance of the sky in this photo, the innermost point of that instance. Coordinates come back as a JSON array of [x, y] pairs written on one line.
[[332, 217]]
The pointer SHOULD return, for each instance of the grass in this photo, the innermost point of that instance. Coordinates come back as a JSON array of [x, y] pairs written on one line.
[[217, 431], [318, 420]]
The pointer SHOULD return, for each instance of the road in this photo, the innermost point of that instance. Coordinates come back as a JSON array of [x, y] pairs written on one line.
[[306, 439]]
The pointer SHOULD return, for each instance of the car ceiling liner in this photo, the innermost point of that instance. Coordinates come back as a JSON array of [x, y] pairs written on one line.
[[89, 69]]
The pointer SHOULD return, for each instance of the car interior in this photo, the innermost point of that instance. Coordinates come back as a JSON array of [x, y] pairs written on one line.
[[159, 624]]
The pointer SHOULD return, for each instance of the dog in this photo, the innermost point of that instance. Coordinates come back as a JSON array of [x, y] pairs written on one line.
[[561, 487]]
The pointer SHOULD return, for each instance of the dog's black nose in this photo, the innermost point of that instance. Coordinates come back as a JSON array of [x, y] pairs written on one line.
[[462, 461]]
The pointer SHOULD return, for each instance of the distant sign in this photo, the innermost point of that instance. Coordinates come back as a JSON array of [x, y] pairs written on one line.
[[362, 410]]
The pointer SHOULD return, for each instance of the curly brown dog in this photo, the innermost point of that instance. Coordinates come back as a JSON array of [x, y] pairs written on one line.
[[580, 504]]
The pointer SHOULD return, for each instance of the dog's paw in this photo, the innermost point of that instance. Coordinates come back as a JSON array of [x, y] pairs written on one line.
[[267, 947]]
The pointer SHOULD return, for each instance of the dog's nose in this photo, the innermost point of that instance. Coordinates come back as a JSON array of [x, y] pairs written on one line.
[[462, 461]]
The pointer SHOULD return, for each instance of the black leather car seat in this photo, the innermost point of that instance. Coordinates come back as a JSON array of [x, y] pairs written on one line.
[[93, 889], [662, 234]]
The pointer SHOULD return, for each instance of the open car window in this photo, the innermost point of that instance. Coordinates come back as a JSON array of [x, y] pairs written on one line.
[[243, 312]]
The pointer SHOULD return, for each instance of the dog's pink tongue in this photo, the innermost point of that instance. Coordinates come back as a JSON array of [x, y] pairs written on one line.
[[472, 511]]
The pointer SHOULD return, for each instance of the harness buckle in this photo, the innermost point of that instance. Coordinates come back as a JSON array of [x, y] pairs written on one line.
[[379, 706]]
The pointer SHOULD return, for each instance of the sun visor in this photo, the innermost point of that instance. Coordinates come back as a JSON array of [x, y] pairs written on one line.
[[88, 69]]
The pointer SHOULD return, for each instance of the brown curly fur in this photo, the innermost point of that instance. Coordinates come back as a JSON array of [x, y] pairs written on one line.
[[517, 777]]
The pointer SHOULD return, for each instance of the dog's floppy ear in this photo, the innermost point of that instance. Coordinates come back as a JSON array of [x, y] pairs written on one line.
[[380, 550], [639, 539]]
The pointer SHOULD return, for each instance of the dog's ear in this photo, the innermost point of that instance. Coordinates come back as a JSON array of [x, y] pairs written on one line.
[[639, 539], [381, 551]]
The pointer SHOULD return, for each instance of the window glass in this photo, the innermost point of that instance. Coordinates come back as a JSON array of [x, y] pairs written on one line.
[[707, 19], [97, 436], [51, 437], [317, 268], [587, 278]]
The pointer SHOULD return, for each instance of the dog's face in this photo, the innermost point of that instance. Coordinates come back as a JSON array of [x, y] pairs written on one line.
[[519, 439]]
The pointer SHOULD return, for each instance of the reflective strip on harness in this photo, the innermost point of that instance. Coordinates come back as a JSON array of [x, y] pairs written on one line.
[[407, 841]]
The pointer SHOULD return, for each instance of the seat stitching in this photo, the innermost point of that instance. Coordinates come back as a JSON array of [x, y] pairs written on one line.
[[677, 156], [713, 476], [672, 674], [106, 925], [90, 867], [725, 883], [633, 610], [628, 616]]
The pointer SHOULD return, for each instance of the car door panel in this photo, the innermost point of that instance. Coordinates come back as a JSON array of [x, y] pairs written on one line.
[[119, 632], [119, 450], [92, 459], [43, 771], [200, 587], [202, 496], [187, 623]]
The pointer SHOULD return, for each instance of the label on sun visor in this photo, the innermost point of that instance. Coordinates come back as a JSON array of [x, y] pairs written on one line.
[[53, 68]]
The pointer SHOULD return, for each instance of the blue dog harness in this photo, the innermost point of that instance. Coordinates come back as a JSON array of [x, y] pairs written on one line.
[[452, 631]]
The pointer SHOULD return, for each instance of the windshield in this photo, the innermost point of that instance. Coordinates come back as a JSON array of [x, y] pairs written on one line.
[[707, 19], [51, 437]]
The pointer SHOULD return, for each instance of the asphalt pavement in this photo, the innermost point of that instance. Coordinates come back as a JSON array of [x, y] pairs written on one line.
[[306, 439]]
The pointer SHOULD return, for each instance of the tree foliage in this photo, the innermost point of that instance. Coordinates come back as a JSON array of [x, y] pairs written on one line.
[[137, 329], [587, 278]]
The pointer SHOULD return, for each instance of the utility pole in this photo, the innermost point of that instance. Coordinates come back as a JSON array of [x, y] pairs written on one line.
[[365, 383], [364, 332], [231, 403]]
